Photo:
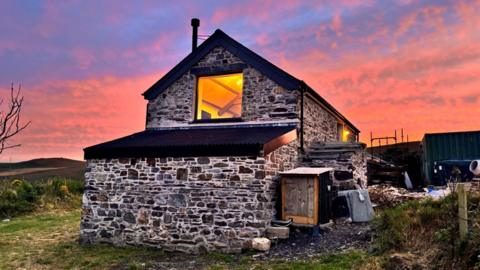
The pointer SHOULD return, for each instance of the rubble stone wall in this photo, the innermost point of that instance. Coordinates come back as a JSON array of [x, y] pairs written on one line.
[[186, 204], [263, 99], [349, 168], [359, 163], [319, 125]]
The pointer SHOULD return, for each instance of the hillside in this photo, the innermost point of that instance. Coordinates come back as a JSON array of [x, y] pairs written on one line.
[[42, 168]]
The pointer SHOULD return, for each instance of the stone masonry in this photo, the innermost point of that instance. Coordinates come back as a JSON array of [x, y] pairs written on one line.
[[349, 161], [319, 125], [186, 204], [263, 99]]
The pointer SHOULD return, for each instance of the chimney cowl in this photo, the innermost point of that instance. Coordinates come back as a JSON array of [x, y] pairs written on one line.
[[195, 22]]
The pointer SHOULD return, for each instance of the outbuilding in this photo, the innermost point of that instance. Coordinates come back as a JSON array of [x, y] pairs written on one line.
[[443, 151]]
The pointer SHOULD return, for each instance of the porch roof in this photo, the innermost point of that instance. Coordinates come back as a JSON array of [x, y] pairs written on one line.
[[196, 141]]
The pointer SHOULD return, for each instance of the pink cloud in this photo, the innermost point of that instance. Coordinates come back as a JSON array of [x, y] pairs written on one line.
[[336, 24], [427, 84], [70, 115], [419, 71], [82, 57]]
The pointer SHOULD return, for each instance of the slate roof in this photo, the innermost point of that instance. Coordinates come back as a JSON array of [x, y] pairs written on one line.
[[190, 142], [219, 38]]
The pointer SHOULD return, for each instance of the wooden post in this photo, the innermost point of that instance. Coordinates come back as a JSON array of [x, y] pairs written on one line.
[[462, 189]]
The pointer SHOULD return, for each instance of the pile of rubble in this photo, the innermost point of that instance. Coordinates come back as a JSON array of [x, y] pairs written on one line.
[[389, 196]]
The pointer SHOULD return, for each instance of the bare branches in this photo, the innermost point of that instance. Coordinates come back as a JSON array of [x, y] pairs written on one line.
[[10, 119]]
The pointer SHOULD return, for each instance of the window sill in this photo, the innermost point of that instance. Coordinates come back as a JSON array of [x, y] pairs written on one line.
[[212, 121]]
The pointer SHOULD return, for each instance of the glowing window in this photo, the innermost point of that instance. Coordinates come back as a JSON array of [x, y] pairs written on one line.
[[219, 96], [346, 135]]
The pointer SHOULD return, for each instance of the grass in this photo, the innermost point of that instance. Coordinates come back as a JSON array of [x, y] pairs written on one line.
[[425, 233], [50, 241], [346, 260]]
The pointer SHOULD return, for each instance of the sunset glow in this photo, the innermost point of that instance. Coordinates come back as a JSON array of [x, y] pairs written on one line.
[[385, 65]]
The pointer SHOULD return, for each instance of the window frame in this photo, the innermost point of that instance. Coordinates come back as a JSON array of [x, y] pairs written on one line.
[[215, 120]]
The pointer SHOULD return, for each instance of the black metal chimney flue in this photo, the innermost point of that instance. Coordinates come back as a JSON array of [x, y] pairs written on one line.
[[195, 25]]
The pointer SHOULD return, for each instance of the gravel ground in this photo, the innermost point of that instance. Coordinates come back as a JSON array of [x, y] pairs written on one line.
[[302, 244]]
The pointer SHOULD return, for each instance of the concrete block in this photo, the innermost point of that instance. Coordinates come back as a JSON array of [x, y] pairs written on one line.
[[262, 244], [277, 232]]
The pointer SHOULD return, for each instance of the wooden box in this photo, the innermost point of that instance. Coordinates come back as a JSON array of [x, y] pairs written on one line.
[[306, 195]]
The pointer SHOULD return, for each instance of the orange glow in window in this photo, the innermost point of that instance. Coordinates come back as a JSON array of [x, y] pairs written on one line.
[[346, 135], [219, 96]]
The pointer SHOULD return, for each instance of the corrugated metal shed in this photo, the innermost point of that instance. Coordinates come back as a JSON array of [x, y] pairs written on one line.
[[449, 146]]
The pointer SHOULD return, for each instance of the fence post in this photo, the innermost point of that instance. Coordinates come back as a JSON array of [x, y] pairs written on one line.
[[462, 189]]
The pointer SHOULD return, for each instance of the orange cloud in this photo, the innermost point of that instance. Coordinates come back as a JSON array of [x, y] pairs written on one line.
[[428, 84], [70, 115]]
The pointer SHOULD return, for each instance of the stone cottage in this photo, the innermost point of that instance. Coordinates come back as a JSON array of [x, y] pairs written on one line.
[[203, 174]]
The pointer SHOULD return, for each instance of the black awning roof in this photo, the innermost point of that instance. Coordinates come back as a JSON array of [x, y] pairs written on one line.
[[191, 142]]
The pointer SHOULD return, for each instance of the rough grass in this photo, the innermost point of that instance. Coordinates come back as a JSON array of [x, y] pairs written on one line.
[[50, 241], [347, 260], [18, 197], [425, 234]]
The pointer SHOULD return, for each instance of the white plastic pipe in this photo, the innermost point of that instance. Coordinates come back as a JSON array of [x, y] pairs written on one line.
[[475, 167]]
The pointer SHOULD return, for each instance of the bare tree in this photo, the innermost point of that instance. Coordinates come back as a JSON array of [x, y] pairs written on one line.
[[10, 119]]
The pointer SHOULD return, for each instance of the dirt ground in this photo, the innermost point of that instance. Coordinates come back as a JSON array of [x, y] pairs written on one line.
[[340, 237]]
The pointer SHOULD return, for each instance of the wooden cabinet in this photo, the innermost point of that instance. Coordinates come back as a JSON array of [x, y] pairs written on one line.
[[305, 194]]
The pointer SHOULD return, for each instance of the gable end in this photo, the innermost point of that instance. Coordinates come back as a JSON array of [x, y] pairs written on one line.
[[220, 39]]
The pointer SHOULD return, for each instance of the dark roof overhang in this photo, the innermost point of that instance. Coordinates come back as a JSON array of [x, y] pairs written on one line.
[[193, 142]]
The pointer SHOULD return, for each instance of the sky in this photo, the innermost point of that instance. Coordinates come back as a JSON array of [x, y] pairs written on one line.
[[385, 65]]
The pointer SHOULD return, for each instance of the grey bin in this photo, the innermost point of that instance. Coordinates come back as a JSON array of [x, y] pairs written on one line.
[[359, 204]]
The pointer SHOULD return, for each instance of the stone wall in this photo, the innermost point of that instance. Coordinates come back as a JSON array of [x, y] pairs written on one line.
[[186, 204], [349, 161], [359, 163], [263, 99], [175, 106], [319, 125]]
